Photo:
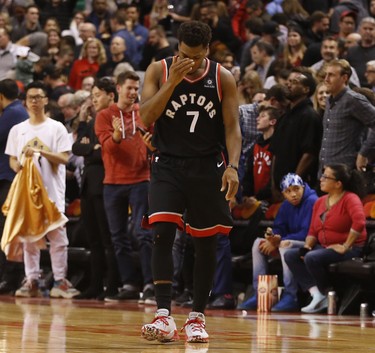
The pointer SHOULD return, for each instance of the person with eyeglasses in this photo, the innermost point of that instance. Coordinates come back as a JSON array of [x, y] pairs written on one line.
[[48, 143], [337, 233]]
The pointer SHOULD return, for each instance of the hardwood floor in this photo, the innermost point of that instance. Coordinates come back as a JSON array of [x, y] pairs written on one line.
[[62, 326]]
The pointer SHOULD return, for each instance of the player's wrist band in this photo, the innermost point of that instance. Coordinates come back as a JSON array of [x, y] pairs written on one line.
[[230, 165]]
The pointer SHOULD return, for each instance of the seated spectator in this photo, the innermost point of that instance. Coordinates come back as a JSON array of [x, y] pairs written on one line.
[[93, 55], [290, 229], [337, 233]]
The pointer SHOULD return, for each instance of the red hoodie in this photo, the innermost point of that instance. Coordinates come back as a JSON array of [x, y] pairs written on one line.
[[125, 162]]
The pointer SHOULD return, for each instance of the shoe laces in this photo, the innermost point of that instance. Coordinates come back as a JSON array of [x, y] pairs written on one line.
[[163, 319], [195, 324]]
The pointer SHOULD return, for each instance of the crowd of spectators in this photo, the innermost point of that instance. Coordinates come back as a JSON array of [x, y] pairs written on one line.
[[312, 62]]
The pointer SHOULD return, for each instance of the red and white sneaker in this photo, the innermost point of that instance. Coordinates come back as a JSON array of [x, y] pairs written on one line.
[[195, 328], [162, 328]]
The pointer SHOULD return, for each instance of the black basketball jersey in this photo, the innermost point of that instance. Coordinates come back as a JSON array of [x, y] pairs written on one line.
[[192, 122]]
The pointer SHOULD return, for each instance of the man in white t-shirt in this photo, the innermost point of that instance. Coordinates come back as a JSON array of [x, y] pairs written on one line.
[[48, 142]]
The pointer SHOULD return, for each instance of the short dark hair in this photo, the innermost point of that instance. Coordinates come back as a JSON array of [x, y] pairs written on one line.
[[107, 85], [127, 75], [279, 92], [265, 47], [272, 112], [9, 89], [254, 4], [254, 25], [194, 34], [38, 85], [307, 78], [317, 16]]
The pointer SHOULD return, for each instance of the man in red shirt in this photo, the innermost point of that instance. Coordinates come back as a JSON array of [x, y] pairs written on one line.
[[126, 183]]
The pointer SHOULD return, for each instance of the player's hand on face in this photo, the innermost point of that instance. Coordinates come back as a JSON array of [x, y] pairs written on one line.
[[230, 183], [180, 68]]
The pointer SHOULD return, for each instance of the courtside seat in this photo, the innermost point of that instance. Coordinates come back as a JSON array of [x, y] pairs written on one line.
[[355, 279]]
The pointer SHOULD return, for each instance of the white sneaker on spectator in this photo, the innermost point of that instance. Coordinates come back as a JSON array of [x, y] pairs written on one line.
[[319, 303], [162, 328], [63, 289], [195, 328], [29, 289]]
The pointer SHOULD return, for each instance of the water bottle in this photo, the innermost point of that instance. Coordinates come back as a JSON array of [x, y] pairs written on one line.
[[332, 303]]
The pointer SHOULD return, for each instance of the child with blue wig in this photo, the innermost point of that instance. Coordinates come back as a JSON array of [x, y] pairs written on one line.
[[290, 229]]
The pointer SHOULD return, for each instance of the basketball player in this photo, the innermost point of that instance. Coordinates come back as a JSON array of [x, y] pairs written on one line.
[[193, 103]]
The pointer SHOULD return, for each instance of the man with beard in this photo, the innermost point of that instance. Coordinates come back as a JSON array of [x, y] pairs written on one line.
[[157, 48], [296, 142], [330, 51]]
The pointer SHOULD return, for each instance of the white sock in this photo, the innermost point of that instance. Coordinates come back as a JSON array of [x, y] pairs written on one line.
[[314, 290]]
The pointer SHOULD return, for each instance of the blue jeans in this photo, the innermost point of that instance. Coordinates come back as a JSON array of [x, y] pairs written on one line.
[[260, 266], [312, 271], [117, 199]]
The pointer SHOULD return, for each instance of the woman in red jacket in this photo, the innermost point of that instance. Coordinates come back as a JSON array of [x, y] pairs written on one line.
[[337, 233], [93, 55]]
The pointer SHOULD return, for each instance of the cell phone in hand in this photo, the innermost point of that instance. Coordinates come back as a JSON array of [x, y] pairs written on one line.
[[141, 130]]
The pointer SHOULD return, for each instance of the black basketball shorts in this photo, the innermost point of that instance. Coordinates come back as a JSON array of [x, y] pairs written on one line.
[[186, 191]]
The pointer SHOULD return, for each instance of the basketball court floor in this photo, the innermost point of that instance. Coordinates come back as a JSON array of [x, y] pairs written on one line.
[[60, 326]]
